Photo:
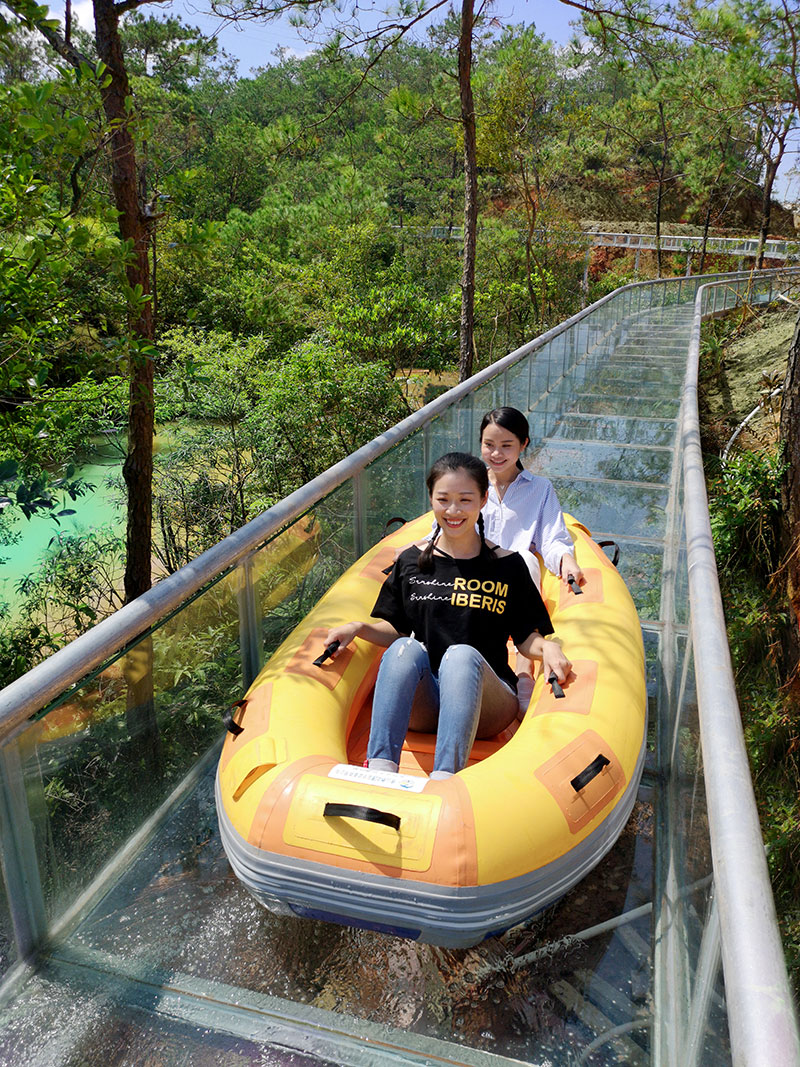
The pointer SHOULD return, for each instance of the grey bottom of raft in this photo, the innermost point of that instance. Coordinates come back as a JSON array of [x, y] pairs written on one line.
[[453, 917]]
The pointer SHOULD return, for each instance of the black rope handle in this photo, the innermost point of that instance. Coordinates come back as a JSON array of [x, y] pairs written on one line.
[[390, 522], [580, 780], [227, 718], [558, 692], [572, 581], [357, 811], [611, 544]]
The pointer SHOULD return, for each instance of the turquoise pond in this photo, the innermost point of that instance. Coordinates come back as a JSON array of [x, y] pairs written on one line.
[[103, 507]]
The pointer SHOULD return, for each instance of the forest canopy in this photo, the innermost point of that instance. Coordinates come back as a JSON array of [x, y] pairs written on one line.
[[302, 224]]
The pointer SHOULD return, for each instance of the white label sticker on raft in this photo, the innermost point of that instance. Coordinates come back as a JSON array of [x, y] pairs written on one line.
[[409, 783]]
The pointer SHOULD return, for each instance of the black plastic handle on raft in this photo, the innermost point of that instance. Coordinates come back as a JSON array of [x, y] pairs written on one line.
[[326, 654], [580, 780], [611, 544], [572, 581], [396, 520], [357, 811], [227, 718], [552, 681]]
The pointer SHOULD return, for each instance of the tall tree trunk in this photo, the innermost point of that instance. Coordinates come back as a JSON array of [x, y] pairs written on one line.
[[137, 469], [134, 229], [706, 228], [662, 170], [790, 501], [766, 208], [466, 342]]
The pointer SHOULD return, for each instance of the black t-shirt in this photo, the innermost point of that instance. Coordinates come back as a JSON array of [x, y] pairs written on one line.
[[480, 602]]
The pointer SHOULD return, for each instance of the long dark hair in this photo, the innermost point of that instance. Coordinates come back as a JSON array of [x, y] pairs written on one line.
[[510, 419], [449, 464]]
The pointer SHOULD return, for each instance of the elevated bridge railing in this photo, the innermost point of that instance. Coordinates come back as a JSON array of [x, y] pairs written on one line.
[[99, 742], [774, 248]]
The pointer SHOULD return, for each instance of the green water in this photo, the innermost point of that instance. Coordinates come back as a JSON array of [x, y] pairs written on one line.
[[101, 508]]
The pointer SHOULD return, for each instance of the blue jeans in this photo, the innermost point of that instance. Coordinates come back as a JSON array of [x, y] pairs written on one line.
[[465, 695]]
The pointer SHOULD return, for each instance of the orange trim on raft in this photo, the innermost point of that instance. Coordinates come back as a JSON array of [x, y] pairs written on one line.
[[253, 717], [454, 857], [302, 662], [375, 567], [582, 806], [578, 692]]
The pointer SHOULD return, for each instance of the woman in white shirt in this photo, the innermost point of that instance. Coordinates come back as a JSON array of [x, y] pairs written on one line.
[[522, 513]]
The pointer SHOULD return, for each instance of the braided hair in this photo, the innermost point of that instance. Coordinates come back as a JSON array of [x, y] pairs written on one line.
[[510, 419], [449, 464]]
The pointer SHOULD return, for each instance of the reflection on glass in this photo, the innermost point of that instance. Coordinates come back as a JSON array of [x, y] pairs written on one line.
[[105, 758]]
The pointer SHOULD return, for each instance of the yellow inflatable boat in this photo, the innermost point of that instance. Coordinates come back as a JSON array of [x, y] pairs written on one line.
[[311, 832]]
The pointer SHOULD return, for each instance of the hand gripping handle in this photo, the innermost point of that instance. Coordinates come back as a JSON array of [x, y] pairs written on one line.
[[326, 653]]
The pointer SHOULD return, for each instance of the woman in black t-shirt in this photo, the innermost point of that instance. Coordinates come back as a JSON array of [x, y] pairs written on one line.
[[445, 613]]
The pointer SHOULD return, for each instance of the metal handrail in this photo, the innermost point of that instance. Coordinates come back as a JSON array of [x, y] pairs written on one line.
[[761, 1018], [745, 246], [69, 665], [66, 667]]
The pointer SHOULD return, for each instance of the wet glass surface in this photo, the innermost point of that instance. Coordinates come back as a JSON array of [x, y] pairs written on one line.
[[580, 459], [606, 507], [537, 992], [622, 429]]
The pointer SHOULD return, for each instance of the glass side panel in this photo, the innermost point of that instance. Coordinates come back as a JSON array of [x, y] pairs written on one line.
[[288, 579], [538, 994], [336, 518], [487, 398], [8, 948], [100, 763], [517, 385], [394, 486], [456, 428], [641, 565]]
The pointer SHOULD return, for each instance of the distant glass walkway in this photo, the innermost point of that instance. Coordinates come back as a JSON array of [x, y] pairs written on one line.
[[741, 247], [125, 939]]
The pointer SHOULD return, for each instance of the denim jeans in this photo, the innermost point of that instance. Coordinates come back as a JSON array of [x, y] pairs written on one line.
[[451, 703]]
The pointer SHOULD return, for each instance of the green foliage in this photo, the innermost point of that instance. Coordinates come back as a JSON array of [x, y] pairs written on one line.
[[64, 421], [396, 323], [744, 503], [745, 512], [756, 615], [23, 643], [259, 428], [318, 407], [77, 582]]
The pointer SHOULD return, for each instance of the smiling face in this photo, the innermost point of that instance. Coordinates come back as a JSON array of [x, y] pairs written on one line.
[[500, 450], [457, 499]]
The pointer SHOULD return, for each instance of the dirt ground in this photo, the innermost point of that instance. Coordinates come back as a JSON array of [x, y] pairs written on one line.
[[749, 368]]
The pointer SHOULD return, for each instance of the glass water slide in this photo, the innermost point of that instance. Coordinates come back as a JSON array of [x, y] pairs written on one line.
[[124, 937]]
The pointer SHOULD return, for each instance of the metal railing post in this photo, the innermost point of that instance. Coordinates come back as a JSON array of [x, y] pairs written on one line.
[[249, 622], [19, 858], [359, 515]]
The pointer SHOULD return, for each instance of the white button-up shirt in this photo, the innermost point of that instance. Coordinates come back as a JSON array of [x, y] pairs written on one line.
[[528, 517]]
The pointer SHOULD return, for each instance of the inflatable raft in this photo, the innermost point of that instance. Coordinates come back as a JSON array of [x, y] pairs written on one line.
[[311, 832]]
